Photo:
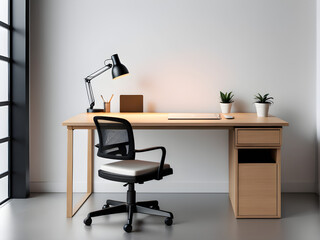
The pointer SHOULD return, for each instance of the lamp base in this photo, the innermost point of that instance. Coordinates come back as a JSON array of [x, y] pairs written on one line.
[[91, 110]]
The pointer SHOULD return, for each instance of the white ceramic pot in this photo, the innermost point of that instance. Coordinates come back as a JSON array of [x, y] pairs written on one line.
[[225, 107], [262, 109]]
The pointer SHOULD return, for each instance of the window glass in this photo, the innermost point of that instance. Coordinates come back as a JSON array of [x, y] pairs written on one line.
[[4, 125], [3, 157], [4, 81], [4, 96], [4, 43], [4, 11], [4, 188]]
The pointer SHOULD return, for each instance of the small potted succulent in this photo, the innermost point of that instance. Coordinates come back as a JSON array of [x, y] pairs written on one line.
[[226, 102], [262, 104]]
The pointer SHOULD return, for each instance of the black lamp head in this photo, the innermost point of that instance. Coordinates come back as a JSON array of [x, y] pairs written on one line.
[[118, 69]]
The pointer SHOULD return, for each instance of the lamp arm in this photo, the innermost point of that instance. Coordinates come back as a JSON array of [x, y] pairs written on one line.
[[90, 93], [98, 72], [88, 83]]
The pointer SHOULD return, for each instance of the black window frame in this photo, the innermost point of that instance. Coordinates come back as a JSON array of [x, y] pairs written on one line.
[[18, 104], [8, 103]]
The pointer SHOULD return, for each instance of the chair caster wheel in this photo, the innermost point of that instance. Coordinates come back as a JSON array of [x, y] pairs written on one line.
[[127, 228], [105, 206], [87, 221], [168, 221]]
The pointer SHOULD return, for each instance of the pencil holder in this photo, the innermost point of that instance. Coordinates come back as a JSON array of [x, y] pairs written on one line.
[[107, 107]]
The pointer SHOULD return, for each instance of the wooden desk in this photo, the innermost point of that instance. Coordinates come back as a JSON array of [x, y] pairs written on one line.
[[246, 131]]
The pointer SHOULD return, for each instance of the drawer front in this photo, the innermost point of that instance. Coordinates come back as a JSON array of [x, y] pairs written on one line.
[[258, 190], [258, 137]]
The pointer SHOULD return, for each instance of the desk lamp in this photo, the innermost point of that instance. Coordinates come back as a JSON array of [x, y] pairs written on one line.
[[118, 70]]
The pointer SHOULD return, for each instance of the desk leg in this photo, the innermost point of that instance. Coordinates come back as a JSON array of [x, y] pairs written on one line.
[[70, 211], [90, 161], [233, 172], [70, 173]]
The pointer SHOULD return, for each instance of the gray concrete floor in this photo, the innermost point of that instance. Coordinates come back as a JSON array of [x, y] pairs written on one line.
[[197, 217]]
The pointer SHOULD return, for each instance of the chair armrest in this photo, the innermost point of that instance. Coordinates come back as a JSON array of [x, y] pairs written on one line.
[[149, 149], [163, 157]]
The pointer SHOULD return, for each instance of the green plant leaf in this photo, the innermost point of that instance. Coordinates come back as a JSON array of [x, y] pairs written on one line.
[[226, 97], [222, 96], [263, 99]]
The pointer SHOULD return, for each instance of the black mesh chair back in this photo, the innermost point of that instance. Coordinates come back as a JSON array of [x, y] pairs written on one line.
[[115, 138]]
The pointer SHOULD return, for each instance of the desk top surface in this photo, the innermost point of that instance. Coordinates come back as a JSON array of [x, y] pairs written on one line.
[[160, 120]]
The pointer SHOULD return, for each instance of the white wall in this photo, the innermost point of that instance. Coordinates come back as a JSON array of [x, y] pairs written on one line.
[[180, 54]]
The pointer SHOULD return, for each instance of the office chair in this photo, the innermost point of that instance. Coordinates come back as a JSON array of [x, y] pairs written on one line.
[[116, 141]]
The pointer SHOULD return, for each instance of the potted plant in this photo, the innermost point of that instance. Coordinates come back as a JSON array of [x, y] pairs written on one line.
[[262, 104], [226, 102]]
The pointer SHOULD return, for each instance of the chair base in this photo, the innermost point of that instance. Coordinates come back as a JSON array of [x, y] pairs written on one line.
[[131, 206]]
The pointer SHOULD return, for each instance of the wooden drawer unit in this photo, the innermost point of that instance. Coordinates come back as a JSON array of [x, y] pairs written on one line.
[[255, 137], [255, 172], [258, 190]]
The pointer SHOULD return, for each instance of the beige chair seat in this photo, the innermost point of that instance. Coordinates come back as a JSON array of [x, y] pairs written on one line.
[[132, 167]]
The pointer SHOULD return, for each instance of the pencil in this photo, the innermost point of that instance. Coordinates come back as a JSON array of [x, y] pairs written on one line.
[[111, 98]]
